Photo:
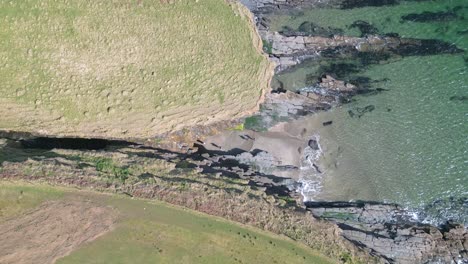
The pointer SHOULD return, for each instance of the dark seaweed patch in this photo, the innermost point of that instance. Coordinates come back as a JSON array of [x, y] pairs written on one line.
[[407, 47], [346, 62], [363, 110], [367, 58], [346, 66], [430, 16], [425, 47], [361, 81], [365, 27], [340, 70], [366, 83], [311, 79], [315, 30], [392, 35], [461, 98], [288, 31], [310, 29], [339, 51], [349, 4], [360, 111], [369, 91]]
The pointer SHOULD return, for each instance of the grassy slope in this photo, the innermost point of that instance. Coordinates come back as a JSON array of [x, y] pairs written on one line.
[[125, 68], [149, 232]]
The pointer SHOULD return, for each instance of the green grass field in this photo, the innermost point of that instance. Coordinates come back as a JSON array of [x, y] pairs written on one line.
[[126, 68], [16, 199], [153, 232]]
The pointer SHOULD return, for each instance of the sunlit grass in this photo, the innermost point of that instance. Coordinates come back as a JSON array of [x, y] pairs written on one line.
[[125, 68]]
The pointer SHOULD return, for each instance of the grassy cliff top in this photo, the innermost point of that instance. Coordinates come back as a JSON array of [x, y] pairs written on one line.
[[139, 231], [126, 68]]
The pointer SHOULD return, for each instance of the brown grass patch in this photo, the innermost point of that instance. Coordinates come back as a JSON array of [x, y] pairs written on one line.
[[52, 231]]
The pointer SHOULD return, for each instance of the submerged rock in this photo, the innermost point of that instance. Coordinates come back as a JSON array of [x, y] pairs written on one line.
[[313, 144], [363, 110], [333, 84], [461, 98], [462, 32]]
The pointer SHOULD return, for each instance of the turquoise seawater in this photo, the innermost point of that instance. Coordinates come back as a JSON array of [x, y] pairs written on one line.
[[413, 148]]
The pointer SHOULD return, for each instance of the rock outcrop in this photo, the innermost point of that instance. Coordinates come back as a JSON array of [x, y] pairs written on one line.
[[393, 234], [289, 104], [265, 6], [291, 50], [326, 93]]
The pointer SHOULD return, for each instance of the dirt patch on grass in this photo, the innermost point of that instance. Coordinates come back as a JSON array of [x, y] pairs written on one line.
[[52, 231]]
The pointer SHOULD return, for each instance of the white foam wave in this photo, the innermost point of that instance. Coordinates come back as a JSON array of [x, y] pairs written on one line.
[[311, 175]]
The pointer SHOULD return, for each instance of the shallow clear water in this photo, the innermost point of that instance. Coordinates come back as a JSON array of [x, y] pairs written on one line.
[[413, 148]]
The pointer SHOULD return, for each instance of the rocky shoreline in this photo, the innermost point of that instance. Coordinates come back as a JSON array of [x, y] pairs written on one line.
[[213, 182], [234, 179], [384, 230]]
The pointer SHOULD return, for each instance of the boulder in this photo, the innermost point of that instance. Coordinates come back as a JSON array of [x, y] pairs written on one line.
[[313, 144]]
